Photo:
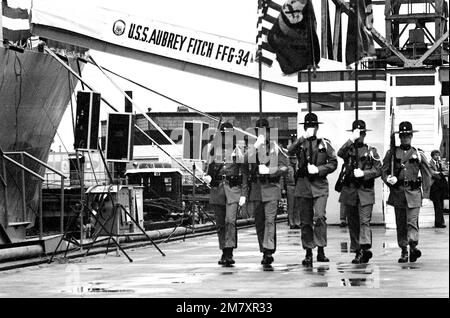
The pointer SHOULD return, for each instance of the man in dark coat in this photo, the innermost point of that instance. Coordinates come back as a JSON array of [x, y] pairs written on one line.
[[439, 188]]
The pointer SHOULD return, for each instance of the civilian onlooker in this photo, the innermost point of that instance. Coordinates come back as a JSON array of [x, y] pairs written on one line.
[[439, 188]]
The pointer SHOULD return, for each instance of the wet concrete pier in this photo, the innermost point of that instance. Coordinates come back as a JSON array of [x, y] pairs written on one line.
[[190, 270]]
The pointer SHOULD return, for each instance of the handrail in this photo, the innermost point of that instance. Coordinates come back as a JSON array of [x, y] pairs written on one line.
[[38, 161], [23, 167], [61, 175]]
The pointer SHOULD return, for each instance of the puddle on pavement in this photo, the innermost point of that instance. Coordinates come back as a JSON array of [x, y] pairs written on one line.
[[98, 290], [410, 267], [346, 282], [95, 269], [354, 282], [106, 290], [227, 273], [321, 270]]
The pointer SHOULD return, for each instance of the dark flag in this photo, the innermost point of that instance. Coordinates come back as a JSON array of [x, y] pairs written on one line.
[[294, 38], [363, 36], [268, 12], [16, 26]]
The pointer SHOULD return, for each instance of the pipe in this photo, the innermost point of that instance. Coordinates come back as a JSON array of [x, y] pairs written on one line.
[[15, 253]]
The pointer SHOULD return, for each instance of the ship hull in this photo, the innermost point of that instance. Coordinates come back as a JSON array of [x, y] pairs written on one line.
[[34, 94]]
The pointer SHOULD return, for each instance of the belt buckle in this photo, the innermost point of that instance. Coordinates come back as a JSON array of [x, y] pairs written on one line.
[[405, 183], [224, 177]]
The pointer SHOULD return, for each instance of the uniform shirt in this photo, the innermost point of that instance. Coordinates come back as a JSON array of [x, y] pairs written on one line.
[[323, 156], [370, 163], [276, 161], [223, 193], [408, 163]]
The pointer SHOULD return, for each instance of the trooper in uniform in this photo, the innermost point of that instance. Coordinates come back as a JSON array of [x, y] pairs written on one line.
[[405, 190], [363, 166], [316, 159], [267, 165], [228, 176]]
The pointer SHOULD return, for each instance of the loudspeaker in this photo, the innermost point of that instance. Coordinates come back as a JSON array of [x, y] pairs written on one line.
[[193, 141], [120, 137], [87, 120], [128, 104]]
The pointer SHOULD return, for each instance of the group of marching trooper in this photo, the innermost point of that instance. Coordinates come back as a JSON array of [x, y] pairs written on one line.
[[253, 176]]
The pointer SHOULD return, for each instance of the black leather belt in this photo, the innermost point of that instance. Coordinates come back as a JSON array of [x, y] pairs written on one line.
[[409, 183], [267, 179], [232, 180]]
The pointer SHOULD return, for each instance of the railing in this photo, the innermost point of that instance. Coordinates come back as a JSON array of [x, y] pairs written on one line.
[[21, 165]]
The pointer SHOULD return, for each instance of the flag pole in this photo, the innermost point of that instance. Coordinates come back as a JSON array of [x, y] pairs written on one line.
[[260, 86], [311, 65], [356, 77], [357, 61], [1, 24]]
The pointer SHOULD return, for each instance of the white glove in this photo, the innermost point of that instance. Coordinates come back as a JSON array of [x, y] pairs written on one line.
[[312, 169], [355, 135], [358, 173], [207, 179], [242, 201], [260, 141], [426, 202], [263, 169], [309, 132], [391, 180]]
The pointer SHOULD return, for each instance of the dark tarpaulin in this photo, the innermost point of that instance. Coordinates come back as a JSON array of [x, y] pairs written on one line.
[[293, 37]]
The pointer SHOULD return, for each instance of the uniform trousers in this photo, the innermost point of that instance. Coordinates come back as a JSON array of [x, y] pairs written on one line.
[[226, 216], [265, 214], [293, 211], [313, 221], [407, 221], [359, 225]]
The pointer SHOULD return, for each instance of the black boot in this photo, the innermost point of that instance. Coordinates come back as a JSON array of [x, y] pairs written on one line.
[[358, 256], [366, 254], [223, 258], [404, 257], [321, 255], [414, 253], [308, 261], [229, 257], [267, 258]]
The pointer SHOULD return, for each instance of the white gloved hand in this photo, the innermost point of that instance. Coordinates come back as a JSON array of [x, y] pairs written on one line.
[[312, 169], [426, 202], [263, 169], [355, 135], [391, 180], [358, 173], [260, 141], [207, 179], [309, 132], [242, 201]]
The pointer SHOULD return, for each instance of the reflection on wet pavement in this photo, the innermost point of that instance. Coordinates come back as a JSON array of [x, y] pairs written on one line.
[[190, 269]]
